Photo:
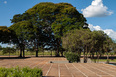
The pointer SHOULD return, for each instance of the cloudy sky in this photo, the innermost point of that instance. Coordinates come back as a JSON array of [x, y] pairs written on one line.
[[97, 8], [100, 14]]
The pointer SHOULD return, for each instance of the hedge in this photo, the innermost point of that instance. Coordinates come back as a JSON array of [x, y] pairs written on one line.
[[72, 57], [20, 72]]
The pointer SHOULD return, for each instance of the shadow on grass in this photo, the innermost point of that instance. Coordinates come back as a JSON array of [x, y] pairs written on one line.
[[16, 57], [105, 57], [51, 56], [48, 76], [1, 58], [112, 64]]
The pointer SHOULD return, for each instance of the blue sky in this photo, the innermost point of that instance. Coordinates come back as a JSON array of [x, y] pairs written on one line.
[[100, 14]]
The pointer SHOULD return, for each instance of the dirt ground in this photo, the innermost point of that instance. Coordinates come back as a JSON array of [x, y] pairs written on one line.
[[61, 68]]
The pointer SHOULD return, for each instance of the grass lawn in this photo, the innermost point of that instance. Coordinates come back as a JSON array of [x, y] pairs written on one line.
[[17, 53], [105, 60]]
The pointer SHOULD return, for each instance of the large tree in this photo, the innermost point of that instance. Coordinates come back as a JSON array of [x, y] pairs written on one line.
[[49, 22], [22, 30], [29, 28], [57, 19]]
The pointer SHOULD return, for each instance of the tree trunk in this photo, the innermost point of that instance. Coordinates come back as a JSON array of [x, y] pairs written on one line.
[[93, 56], [20, 52], [97, 58], [107, 58], [84, 58], [23, 52], [43, 52], [79, 53], [90, 55], [57, 52], [58, 47], [62, 53], [9, 54], [51, 53], [36, 46], [37, 51]]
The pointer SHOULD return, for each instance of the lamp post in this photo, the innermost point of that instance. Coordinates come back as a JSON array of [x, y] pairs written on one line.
[[85, 26]]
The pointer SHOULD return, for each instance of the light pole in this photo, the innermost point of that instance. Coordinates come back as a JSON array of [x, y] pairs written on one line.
[[85, 26]]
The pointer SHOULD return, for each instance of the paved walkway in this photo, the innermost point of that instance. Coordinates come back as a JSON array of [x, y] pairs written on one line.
[[62, 69]]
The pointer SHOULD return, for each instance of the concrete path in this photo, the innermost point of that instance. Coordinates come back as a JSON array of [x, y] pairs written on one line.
[[61, 68]]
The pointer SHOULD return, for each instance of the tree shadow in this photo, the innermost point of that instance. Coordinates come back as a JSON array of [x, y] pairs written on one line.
[[113, 64], [2, 57], [105, 57], [50, 76], [51, 56]]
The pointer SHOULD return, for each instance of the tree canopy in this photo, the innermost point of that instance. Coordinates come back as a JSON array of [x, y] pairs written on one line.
[[57, 26], [7, 35], [87, 42], [48, 21]]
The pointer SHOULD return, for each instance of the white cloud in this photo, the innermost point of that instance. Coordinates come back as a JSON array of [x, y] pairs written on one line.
[[5, 2], [94, 27], [96, 9], [111, 33]]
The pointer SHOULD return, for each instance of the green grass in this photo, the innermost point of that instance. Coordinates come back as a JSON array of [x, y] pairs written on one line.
[[111, 53], [20, 72], [17, 53], [105, 60]]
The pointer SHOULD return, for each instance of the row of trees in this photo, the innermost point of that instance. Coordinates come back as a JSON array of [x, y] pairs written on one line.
[[54, 27], [96, 42], [43, 26], [8, 50]]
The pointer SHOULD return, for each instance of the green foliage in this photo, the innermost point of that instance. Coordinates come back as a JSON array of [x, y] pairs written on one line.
[[7, 35], [4, 34], [8, 50], [45, 23], [114, 47], [57, 19], [76, 39], [20, 17], [20, 72], [72, 57], [0, 47], [22, 29], [87, 42]]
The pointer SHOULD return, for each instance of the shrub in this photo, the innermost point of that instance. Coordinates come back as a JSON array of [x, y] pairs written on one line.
[[20, 72], [72, 57]]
